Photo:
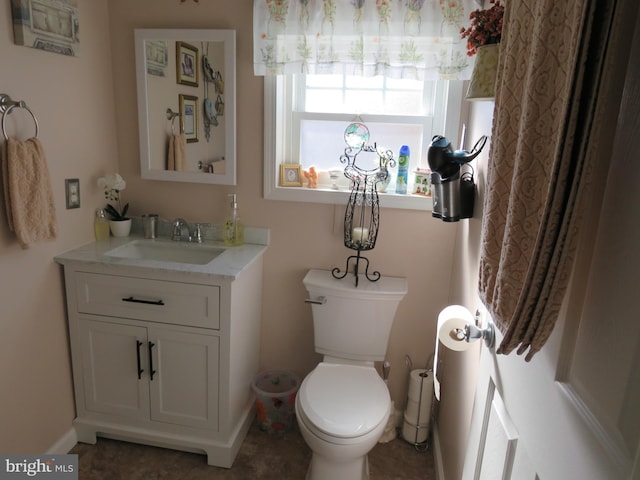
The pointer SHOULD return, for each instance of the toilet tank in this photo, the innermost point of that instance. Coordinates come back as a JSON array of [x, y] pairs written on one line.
[[353, 322]]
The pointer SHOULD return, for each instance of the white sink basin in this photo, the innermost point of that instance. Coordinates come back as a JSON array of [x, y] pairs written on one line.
[[177, 252]]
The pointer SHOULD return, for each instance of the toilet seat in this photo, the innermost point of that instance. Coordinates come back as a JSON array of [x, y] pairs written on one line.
[[344, 401]]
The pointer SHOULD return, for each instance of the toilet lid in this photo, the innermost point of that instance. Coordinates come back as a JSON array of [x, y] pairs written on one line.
[[344, 400]]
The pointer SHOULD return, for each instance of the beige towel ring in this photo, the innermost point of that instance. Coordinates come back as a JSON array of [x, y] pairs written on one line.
[[6, 105]]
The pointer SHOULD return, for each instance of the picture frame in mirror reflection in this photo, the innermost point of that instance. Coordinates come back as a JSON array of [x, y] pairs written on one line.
[[157, 57], [187, 64], [189, 117]]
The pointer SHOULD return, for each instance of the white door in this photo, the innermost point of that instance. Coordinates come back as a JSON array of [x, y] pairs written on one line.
[[573, 412]]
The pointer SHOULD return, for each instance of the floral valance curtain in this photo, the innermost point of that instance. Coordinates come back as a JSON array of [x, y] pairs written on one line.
[[395, 38]]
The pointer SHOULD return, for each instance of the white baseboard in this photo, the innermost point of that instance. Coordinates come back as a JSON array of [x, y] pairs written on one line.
[[64, 444], [437, 453]]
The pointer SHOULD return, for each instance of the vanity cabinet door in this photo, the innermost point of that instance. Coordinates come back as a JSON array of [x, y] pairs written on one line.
[[184, 386], [112, 355]]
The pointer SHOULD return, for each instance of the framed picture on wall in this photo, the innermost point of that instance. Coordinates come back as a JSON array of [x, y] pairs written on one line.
[[189, 117], [187, 62], [47, 25], [290, 175]]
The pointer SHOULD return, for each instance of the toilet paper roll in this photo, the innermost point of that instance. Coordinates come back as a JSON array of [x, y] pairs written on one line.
[[419, 397], [418, 413], [413, 433], [451, 320], [420, 385]]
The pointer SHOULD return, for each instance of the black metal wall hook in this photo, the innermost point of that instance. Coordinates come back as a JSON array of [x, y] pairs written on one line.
[[375, 276]]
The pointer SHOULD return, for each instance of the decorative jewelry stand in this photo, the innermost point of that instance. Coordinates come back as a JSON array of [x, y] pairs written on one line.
[[362, 216]]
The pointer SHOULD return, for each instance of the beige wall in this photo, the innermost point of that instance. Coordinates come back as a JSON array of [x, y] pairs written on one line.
[[88, 117], [73, 101], [302, 237]]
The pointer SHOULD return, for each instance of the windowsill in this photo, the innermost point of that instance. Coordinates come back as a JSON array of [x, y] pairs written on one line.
[[330, 196]]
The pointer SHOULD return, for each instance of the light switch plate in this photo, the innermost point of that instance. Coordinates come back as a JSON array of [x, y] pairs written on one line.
[[72, 192]]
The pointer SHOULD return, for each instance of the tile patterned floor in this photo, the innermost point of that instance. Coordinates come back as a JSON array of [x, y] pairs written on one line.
[[262, 456]]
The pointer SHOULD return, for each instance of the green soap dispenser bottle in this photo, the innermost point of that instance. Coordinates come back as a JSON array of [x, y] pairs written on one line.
[[233, 229], [101, 225]]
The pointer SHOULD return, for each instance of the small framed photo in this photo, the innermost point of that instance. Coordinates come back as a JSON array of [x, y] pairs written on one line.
[[290, 175], [72, 192], [187, 64], [189, 117]]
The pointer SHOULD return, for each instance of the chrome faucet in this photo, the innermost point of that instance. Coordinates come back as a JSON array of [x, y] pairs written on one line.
[[178, 225]]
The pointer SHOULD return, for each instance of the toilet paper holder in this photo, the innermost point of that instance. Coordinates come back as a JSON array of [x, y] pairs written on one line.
[[471, 332]]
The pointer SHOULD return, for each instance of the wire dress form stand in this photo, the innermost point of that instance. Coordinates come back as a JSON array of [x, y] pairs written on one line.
[[362, 215]]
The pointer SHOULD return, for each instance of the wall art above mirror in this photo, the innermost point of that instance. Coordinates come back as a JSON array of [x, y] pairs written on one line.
[[187, 104]]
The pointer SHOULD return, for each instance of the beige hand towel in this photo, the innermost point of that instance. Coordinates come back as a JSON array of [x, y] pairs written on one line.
[[31, 212], [171, 156], [177, 152]]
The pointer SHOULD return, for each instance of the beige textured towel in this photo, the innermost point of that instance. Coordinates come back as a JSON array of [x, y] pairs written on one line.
[[28, 196], [177, 152], [547, 110]]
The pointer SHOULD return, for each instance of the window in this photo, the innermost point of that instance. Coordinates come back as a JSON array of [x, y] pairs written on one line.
[[306, 115]]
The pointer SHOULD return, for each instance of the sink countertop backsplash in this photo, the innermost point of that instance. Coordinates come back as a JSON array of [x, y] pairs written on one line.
[[228, 264], [210, 231]]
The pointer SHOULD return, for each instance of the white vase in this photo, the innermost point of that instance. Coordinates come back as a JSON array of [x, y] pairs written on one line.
[[120, 228]]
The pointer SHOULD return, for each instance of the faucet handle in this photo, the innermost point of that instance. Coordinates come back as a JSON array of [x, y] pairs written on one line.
[[178, 223], [197, 233], [176, 231]]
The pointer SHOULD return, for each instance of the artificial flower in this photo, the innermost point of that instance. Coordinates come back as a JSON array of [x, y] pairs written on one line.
[[112, 185], [485, 29]]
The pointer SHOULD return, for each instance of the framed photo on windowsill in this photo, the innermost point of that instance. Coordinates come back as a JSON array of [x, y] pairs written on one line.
[[187, 61], [290, 175], [189, 117]]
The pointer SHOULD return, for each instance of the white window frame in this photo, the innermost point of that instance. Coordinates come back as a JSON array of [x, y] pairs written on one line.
[[277, 117]]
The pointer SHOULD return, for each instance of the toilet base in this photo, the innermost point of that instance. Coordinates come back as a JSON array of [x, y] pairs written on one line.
[[321, 468], [335, 461], [340, 457]]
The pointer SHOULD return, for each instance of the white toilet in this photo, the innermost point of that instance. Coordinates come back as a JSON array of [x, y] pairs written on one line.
[[343, 405]]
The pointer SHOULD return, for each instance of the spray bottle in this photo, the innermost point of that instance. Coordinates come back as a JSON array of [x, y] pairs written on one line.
[[233, 229], [403, 170]]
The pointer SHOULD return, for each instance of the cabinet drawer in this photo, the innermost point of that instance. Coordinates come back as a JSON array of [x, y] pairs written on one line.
[[178, 303]]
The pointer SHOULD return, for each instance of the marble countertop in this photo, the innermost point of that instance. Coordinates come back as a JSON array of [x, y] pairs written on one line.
[[228, 264]]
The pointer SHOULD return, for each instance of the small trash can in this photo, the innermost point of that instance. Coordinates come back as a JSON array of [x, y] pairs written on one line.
[[276, 399]]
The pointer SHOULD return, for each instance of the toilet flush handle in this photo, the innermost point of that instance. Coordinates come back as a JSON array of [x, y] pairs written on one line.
[[318, 301]]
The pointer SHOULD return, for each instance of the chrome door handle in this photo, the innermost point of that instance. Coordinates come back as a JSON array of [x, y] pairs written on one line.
[[318, 301]]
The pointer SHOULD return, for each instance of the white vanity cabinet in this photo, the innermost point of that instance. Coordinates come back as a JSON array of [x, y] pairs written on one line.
[[164, 357], [150, 373]]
